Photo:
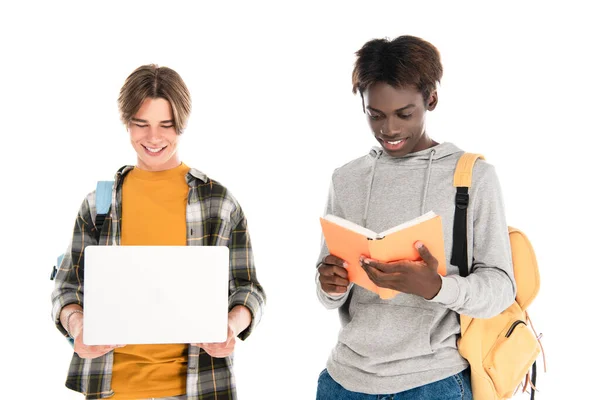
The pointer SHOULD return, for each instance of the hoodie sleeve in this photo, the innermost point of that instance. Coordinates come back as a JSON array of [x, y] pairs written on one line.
[[330, 301], [490, 287]]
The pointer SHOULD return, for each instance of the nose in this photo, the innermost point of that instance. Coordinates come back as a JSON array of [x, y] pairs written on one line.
[[391, 127], [153, 134]]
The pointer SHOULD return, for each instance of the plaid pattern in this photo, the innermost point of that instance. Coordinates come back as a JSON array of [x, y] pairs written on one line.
[[213, 218]]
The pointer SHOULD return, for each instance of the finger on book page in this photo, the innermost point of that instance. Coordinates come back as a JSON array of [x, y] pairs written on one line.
[[426, 255], [330, 270], [330, 259]]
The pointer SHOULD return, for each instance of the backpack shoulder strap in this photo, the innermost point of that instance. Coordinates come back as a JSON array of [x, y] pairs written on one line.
[[463, 175], [103, 196], [103, 201]]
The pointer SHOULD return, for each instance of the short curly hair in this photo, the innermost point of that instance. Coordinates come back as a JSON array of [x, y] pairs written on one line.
[[402, 62]]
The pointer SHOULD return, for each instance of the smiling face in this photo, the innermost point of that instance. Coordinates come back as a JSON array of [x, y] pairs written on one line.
[[153, 136], [397, 118]]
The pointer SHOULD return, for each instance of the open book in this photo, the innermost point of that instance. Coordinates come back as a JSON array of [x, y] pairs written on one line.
[[350, 241]]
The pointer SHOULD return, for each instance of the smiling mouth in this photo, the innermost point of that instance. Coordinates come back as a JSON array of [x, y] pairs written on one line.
[[393, 145], [154, 150], [395, 142]]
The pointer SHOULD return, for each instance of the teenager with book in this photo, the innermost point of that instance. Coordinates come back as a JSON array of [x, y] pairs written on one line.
[[406, 346], [160, 201]]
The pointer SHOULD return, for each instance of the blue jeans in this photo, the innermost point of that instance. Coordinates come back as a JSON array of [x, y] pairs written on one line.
[[455, 387]]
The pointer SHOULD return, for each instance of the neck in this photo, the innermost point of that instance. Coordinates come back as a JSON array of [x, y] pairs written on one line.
[[424, 143], [173, 162]]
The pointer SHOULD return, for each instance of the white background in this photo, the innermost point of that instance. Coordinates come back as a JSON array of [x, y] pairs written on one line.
[[273, 115]]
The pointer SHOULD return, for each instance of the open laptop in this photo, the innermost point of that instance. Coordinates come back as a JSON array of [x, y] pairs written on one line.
[[155, 294]]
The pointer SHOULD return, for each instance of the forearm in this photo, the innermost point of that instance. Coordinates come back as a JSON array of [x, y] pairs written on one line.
[[483, 294]]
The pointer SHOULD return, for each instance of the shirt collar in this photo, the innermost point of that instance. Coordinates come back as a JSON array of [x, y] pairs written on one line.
[[191, 176]]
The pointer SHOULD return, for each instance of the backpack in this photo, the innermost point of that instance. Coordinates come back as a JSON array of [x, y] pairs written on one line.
[[500, 350], [103, 200]]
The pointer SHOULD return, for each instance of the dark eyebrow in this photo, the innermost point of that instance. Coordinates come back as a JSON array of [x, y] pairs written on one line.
[[168, 121], [398, 110]]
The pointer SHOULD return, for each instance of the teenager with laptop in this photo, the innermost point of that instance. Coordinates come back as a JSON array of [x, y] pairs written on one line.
[[160, 201], [406, 348]]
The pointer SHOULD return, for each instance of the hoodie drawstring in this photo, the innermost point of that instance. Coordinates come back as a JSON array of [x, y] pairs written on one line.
[[364, 221], [370, 188], [427, 181]]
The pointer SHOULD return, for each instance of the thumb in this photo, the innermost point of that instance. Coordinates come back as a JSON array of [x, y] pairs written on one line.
[[425, 254]]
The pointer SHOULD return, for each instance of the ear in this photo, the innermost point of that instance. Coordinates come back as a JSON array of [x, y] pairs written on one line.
[[432, 101]]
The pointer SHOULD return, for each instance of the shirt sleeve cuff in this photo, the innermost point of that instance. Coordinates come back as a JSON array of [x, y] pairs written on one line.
[[449, 291], [252, 302]]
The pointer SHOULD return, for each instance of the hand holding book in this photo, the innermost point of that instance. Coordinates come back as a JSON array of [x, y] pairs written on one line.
[[414, 277], [389, 250], [333, 275]]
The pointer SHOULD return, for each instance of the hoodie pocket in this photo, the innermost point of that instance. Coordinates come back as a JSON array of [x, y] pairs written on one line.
[[388, 332]]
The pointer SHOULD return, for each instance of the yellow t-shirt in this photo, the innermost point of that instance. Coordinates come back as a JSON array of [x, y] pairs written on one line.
[[154, 211]]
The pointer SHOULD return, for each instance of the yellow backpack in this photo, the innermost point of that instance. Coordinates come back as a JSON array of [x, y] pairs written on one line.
[[500, 350]]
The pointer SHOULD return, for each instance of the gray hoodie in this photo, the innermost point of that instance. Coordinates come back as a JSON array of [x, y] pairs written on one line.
[[389, 346]]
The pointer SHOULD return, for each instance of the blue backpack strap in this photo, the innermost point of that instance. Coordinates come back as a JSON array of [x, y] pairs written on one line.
[[55, 268], [103, 202], [103, 196]]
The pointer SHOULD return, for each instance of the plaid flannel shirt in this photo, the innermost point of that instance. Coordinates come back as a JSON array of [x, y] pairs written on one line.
[[213, 218]]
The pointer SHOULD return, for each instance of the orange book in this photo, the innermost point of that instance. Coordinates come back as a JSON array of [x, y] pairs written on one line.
[[350, 241]]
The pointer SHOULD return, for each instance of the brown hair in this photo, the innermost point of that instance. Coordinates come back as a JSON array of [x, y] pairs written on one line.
[[152, 81], [404, 61]]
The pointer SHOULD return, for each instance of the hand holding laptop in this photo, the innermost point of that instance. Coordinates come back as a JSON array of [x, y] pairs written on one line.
[[219, 350], [83, 351], [238, 320]]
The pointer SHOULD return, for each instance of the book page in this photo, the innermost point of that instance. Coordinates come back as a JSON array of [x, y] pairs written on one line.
[[407, 224], [351, 226]]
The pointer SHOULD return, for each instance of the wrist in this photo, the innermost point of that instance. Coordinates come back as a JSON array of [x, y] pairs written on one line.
[[74, 323], [239, 319], [435, 287]]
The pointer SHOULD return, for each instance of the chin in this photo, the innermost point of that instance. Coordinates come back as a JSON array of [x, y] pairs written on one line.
[[397, 154], [150, 162]]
